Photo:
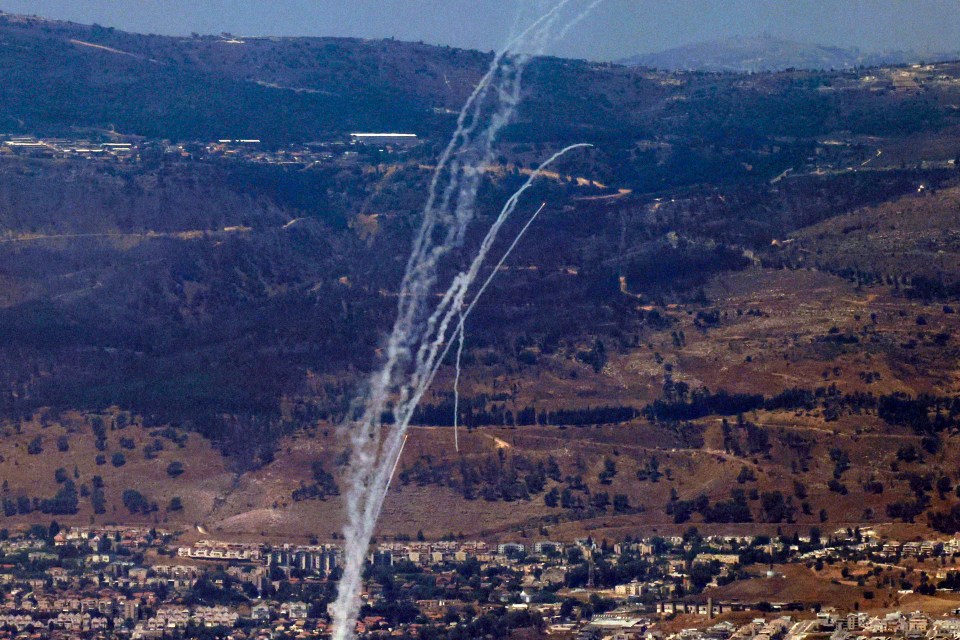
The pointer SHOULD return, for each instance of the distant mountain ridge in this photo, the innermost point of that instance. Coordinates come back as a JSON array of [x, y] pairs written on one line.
[[767, 53]]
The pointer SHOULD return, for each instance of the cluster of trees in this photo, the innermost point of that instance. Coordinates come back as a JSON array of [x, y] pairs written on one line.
[[920, 486], [98, 499], [736, 509], [472, 415], [324, 484], [609, 471], [568, 498], [680, 403], [136, 502], [685, 267], [774, 507], [699, 403], [927, 288], [947, 521], [744, 438], [650, 471], [175, 436], [501, 478], [925, 414], [516, 477], [596, 356], [64, 502]]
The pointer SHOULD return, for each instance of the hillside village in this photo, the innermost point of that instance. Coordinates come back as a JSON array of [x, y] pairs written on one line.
[[132, 149]]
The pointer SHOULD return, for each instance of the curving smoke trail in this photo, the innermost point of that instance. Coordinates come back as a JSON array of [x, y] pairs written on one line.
[[419, 340], [461, 329]]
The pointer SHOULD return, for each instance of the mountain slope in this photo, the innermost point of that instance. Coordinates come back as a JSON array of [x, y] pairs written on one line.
[[648, 317], [767, 53]]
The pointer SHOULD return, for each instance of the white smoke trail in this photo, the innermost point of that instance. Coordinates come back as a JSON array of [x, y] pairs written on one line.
[[577, 20], [424, 375], [456, 384], [372, 486], [485, 248], [413, 350], [461, 329]]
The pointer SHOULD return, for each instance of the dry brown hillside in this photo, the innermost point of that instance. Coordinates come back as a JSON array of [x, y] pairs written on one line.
[[916, 235], [773, 333]]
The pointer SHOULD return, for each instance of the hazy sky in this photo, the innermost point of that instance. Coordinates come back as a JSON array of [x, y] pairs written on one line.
[[616, 28]]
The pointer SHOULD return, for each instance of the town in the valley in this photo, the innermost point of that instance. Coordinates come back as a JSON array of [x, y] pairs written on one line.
[[112, 581]]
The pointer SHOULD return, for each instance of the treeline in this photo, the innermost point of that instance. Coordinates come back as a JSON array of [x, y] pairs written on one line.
[[680, 403], [441, 415], [924, 414], [774, 508], [929, 289]]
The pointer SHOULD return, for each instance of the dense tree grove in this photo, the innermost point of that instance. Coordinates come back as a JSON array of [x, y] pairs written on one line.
[[473, 414]]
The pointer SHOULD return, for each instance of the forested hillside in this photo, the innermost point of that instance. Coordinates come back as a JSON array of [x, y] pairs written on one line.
[[749, 277]]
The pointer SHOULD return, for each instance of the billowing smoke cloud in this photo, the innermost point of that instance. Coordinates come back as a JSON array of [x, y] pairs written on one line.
[[419, 340]]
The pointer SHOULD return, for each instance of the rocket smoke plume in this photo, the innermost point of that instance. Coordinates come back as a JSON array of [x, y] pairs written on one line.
[[461, 328], [421, 335]]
